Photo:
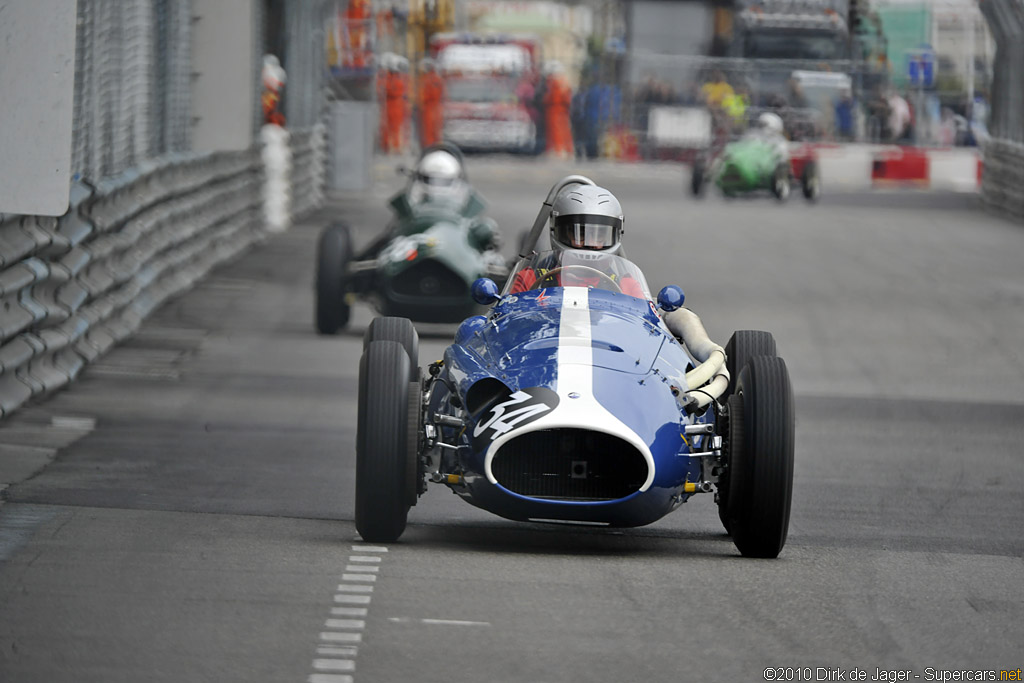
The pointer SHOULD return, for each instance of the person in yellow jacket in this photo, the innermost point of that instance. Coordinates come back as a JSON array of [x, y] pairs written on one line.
[[716, 90], [735, 105]]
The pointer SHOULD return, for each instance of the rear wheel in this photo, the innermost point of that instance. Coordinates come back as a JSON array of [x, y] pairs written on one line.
[[385, 453], [744, 345], [810, 180], [780, 182], [334, 251], [399, 330], [697, 178], [760, 480]]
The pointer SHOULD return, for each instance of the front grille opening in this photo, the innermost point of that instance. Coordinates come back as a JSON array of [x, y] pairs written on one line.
[[429, 278], [570, 464]]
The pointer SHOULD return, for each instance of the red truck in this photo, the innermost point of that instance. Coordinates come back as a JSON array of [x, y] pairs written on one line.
[[483, 109]]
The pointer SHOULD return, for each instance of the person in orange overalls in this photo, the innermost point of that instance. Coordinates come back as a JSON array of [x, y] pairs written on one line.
[[395, 87], [431, 102], [357, 19], [557, 105]]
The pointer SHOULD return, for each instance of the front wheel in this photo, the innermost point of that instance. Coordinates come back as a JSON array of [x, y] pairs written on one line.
[[401, 330], [780, 182], [385, 444], [742, 346], [333, 253], [760, 458]]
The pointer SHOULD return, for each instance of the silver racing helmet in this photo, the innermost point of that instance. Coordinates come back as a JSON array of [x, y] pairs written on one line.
[[586, 217], [439, 175]]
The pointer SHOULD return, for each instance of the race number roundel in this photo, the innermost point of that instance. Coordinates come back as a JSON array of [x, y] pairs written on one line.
[[512, 412]]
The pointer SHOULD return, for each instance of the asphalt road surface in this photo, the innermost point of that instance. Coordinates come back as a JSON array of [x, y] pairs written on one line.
[[184, 511]]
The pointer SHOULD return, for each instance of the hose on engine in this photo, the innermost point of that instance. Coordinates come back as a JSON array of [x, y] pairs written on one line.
[[710, 378]]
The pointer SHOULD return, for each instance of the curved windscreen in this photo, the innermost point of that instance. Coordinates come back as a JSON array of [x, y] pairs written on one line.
[[577, 268]]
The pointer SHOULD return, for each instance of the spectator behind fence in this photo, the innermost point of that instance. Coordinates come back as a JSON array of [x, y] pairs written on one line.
[[716, 89], [736, 105], [878, 116], [845, 111], [797, 99], [431, 103], [900, 117], [557, 106], [541, 124], [578, 119], [394, 92], [601, 109]]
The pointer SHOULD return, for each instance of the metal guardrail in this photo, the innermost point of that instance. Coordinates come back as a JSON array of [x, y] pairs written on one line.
[[148, 218], [1003, 179], [71, 288], [309, 167]]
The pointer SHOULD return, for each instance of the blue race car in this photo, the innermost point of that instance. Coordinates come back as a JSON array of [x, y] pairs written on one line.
[[574, 402]]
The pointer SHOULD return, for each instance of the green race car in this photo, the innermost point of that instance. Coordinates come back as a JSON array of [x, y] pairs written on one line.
[[422, 267], [754, 164]]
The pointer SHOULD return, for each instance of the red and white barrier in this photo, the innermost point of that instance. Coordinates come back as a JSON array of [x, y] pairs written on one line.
[[858, 166]]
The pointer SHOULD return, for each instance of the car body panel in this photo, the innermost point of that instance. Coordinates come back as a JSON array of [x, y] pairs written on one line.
[[572, 363], [431, 254], [746, 165]]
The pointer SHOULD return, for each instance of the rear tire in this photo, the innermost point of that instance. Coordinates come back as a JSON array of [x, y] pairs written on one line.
[[384, 450], [810, 181], [744, 345], [333, 253], [781, 182], [697, 179], [399, 330], [761, 466]]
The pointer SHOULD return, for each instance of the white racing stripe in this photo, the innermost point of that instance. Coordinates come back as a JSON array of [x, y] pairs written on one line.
[[577, 406]]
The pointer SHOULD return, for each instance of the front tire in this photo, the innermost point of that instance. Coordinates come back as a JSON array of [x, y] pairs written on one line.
[[744, 345], [781, 182], [760, 484], [384, 449], [333, 253], [399, 330]]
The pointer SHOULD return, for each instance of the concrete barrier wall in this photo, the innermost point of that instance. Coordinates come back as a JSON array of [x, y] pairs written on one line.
[[74, 286]]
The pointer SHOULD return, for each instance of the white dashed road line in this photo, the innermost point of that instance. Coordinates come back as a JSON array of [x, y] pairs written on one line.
[[438, 622], [338, 647]]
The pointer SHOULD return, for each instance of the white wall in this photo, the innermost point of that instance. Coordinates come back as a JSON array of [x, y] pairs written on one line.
[[224, 91], [37, 87]]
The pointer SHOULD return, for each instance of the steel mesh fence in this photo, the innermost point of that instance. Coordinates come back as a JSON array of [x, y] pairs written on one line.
[[305, 63], [132, 84], [1006, 20], [652, 105]]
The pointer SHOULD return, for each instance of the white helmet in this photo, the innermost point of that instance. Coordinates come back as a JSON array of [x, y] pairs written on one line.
[[439, 168], [770, 122], [586, 217], [273, 74], [440, 176]]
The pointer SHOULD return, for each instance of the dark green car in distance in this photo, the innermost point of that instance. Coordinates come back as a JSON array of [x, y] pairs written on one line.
[[423, 265]]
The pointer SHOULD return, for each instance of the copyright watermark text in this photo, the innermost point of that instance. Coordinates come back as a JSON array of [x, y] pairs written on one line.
[[825, 673]]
